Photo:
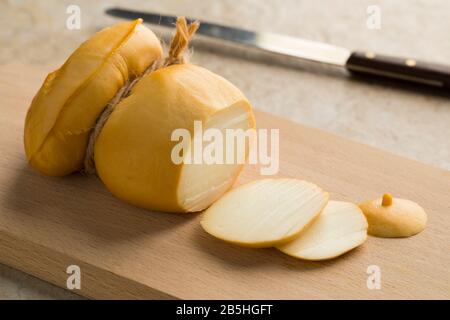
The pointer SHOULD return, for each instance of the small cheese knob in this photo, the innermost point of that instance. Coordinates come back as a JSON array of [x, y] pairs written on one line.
[[387, 200]]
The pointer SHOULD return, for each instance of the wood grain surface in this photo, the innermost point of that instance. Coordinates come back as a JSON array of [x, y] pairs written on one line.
[[47, 224]]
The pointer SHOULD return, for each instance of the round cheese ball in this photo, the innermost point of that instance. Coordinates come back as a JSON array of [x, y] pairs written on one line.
[[134, 151]]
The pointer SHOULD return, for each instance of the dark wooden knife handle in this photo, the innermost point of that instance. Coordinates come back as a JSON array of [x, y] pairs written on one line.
[[409, 70]]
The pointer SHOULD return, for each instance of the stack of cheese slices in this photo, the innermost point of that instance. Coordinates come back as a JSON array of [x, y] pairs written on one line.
[[292, 215]]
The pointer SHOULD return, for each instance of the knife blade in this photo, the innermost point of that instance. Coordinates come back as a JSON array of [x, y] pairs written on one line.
[[357, 62]]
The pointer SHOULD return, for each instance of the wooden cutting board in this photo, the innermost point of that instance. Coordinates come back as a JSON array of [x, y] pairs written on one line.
[[47, 224]]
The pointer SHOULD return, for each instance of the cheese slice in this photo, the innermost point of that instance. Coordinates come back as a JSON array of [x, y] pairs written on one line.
[[264, 213], [340, 228]]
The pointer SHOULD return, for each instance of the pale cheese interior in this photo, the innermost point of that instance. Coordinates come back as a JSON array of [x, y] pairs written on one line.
[[202, 184], [339, 228]]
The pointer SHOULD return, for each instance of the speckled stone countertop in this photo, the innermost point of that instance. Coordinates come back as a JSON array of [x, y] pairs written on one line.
[[408, 123]]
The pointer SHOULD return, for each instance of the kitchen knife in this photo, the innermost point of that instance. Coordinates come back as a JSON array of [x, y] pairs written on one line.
[[357, 62]]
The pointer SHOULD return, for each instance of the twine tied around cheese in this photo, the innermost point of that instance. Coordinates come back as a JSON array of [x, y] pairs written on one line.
[[178, 46]]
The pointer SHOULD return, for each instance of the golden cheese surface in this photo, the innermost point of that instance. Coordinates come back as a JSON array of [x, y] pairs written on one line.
[[71, 98]]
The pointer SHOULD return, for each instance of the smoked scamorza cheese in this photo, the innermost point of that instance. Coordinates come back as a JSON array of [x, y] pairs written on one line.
[[66, 107], [339, 228], [133, 152], [265, 213], [132, 149], [390, 217]]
